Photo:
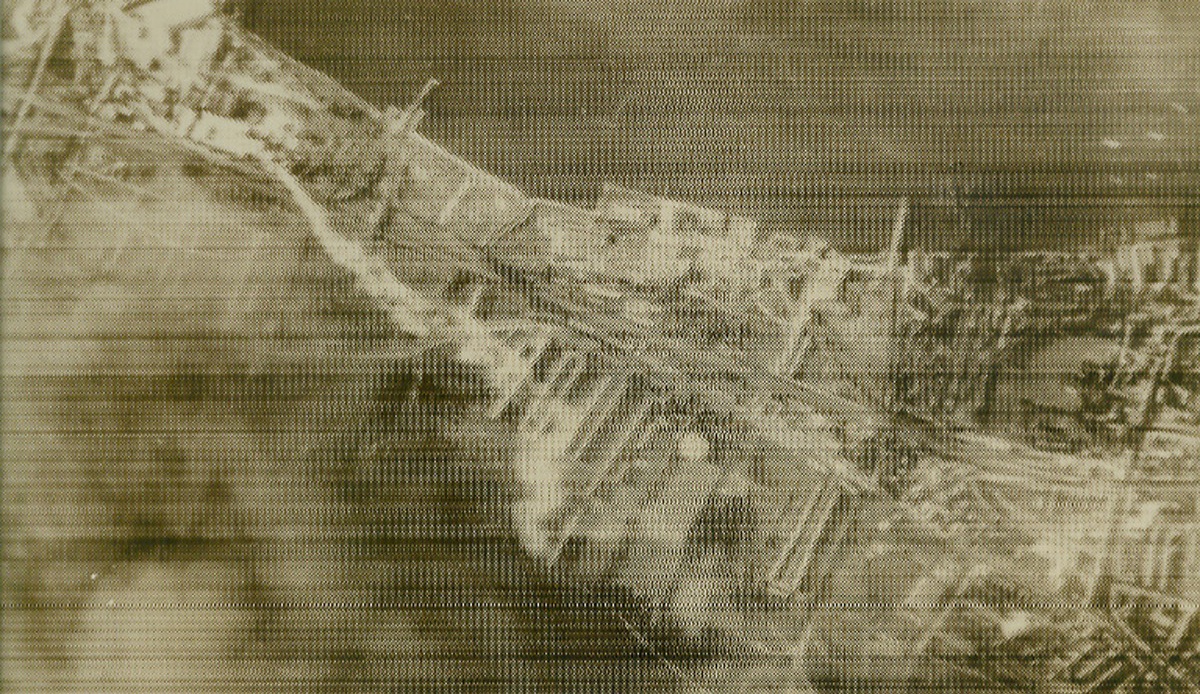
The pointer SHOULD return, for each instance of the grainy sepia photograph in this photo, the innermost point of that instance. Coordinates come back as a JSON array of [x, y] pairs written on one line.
[[796, 346]]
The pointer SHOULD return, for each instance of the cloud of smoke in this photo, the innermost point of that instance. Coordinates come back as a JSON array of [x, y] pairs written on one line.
[[537, 465]]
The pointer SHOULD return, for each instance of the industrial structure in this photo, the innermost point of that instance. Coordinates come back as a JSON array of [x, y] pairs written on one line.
[[719, 427]]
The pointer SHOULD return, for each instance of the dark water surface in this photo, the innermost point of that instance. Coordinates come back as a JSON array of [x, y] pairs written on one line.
[[813, 115]]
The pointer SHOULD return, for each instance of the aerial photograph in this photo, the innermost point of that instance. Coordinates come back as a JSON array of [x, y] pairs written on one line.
[[795, 346]]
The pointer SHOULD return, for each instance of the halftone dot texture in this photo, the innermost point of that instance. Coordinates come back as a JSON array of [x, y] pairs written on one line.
[[242, 450]]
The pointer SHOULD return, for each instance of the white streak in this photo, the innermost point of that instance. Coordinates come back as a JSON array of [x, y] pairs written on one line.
[[401, 303]]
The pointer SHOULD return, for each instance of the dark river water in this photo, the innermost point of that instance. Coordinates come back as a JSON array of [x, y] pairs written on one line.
[[812, 116], [217, 483]]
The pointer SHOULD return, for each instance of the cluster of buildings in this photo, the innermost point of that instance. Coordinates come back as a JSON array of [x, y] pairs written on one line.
[[686, 391]]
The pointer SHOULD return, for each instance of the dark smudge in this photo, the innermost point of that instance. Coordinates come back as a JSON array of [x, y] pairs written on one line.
[[214, 494]]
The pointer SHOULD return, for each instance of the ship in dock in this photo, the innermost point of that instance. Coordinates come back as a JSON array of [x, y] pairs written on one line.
[[722, 432]]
